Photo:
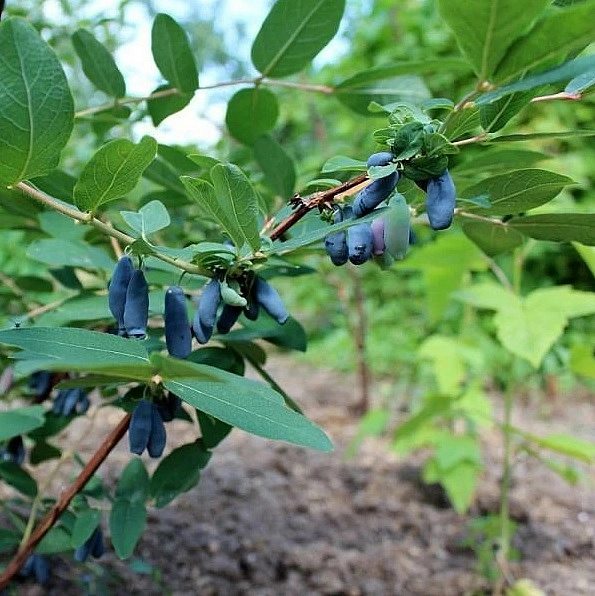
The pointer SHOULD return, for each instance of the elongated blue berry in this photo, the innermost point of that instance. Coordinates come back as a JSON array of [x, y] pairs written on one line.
[[117, 290], [140, 427], [75, 402], [359, 243], [41, 569], [270, 300], [206, 313], [378, 190], [14, 451], [178, 336], [440, 201], [168, 406], [40, 384], [336, 244], [252, 309], [93, 546], [38, 566], [136, 309], [229, 315], [157, 438], [382, 158], [98, 547], [378, 245]]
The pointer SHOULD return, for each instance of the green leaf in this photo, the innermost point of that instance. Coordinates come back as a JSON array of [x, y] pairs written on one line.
[[251, 406], [496, 115], [212, 431], [448, 362], [558, 227], [460, 483], [172, 54], [178, 473], [290, 335], [581, 69], [460, 123], [407, 432], [484, 29], [487, 295], [582, 361], [390, 71], [84, 526], [587, 253], [36, 106], [250, 113], [127, 521], [98, 64], [230, 201], [80, 308], [490, 159], [162, 107], [358, 93], [82, 350], [133, 484], [517, 191], [566, 445], [18, 478], [537, 136], [150, 218], [444, 263], [342, 163], [8, 540], [583, 81], [57, 540], [293, 33], [19, 421], [58, 184], [276, 164], [58, 252], [493, 238], [558, 33], [113, 171], [43, 451], [528, 327]]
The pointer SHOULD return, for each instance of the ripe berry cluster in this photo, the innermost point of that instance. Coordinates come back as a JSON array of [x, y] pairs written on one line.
[[388, 236], [221, 303]]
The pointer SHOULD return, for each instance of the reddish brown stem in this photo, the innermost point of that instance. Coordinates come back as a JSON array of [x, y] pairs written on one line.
[[304, 205], [63, 502]]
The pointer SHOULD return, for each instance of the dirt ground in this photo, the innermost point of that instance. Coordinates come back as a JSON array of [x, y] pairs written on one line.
[[272, 519]]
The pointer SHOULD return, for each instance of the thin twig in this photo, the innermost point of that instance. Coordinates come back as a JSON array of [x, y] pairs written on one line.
[[108, 230], [63, 502], [302, 86], [305, 205], [476, 139], [126, 100], [561, 95]]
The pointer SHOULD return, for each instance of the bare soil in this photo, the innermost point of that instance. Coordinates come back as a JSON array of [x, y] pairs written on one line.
[[272, 519]]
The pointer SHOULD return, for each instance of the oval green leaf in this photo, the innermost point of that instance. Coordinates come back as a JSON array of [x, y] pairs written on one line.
[[517, 191], [250, 113], [113, 172], [173, 55], [276, 164], [98, 64], [293, 33], [36, 106]]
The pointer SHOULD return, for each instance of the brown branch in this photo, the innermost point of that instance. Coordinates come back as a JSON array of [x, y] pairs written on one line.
[[304, 205], [63, 502]]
